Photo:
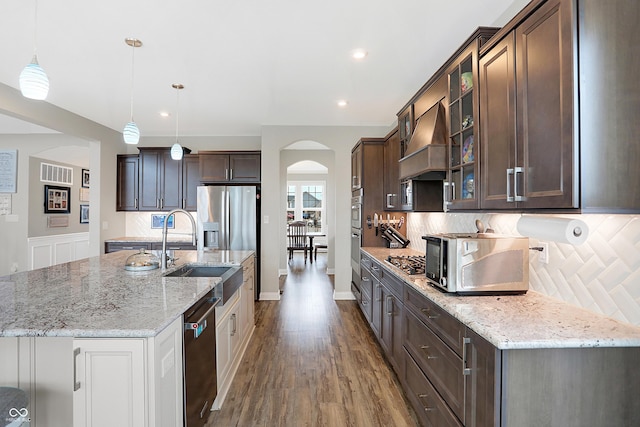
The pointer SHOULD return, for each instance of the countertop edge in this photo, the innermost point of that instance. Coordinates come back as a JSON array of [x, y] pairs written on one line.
[[630, 338]]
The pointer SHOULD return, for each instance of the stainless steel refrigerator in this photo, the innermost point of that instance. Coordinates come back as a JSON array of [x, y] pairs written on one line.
[[228, 219]]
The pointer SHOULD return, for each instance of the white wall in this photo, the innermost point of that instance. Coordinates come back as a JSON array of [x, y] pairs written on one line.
[[338, 139], [602, 275], [104, 145]]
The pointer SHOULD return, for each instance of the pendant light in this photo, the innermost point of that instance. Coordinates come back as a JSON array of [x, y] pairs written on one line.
[[131, 133], [34, 83], [176, 149]]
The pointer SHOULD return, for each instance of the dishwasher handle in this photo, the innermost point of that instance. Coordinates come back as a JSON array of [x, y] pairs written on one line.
[[201, 324]]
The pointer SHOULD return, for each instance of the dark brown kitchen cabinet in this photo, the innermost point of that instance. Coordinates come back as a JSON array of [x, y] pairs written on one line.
[[482, 385], [229, 167], [392, 154], [127, 182], [190, 181], [431, 410], [530, 165], [384, 308], [125, 246], [160, 180], [356, 168], [463, 123], [558, 109], [367, 177]]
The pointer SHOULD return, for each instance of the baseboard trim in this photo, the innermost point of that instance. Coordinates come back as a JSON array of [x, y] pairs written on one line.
[[269, 296], [343, 295]]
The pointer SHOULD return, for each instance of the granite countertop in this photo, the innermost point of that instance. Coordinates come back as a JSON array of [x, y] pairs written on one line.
[[97, 297], [532, 320]]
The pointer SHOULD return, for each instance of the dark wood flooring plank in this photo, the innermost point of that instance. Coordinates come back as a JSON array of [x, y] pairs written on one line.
[[312, 361]]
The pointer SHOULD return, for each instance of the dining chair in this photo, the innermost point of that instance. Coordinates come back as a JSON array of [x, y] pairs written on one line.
[[297, 235]]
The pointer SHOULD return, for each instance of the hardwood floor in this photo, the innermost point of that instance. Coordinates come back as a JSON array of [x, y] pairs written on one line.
[[312, 361]]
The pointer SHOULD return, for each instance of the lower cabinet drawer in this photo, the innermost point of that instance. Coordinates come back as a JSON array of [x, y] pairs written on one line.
[[429, 406], [365, 304], [440, 364]]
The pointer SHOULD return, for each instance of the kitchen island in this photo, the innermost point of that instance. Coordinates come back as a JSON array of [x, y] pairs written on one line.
[[65, 328], [501, 360]]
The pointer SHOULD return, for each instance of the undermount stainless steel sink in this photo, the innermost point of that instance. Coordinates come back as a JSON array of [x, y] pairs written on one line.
[[231, 277], [188, 270]]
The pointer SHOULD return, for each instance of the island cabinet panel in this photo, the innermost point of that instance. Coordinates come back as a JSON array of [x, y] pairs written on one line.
[[229, 167], [110, 382], [235, 324], [43, 368], [128, 381]]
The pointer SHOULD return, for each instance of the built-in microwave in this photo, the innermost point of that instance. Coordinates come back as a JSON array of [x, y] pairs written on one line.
[[477, 263], [356, 210]]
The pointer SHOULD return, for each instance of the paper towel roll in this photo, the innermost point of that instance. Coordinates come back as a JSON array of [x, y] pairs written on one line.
[[561, 230]]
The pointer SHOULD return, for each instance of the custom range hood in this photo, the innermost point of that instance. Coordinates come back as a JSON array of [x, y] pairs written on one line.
[[426, 154]]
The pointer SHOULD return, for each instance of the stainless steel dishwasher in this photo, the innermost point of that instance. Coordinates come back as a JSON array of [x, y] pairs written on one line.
[[200, 380]]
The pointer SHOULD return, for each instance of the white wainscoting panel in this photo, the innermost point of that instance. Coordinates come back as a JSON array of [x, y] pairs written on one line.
[[46, 251]]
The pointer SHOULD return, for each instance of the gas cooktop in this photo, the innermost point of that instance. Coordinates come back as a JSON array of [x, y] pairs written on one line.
[[410, 264]]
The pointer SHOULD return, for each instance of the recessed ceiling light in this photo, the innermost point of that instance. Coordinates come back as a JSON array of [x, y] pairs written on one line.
[[164, 114], [359, 54], [342, 103]]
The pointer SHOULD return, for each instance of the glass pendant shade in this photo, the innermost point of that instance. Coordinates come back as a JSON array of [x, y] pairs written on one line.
[[176, 151], [131, 133], [34, 83]]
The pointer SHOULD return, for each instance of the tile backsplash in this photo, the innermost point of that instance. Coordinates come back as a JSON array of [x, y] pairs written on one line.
[[138, 224], [602, 275]]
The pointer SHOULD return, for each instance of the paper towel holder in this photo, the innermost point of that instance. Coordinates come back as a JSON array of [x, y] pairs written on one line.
[[556, 229]]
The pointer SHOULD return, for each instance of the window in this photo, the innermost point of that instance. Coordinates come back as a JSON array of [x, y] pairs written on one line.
[[305, 202]]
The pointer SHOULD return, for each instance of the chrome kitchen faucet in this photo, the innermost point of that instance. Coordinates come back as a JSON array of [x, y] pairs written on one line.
[[163, 259]]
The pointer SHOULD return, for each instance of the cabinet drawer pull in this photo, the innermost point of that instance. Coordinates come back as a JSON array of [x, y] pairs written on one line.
[[424, 347], [422, 396], [425, 310], [433, 316], [465, 370], [76, 383]]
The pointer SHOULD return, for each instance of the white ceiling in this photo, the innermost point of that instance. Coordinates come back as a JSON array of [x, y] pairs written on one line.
[[243, 63]]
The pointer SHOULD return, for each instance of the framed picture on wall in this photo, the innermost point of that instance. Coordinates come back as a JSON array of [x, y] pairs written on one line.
[[85, 178], [56, 200], [84, 214]]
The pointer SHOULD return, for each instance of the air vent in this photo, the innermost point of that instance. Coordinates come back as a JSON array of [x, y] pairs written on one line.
[[56, 174]]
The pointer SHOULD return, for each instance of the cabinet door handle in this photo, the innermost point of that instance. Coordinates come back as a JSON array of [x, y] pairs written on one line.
[[389, 305], [516, 196], [379, 296], [465, 342], [389, 197], [157, 203], [226, 174], [510, 172], [231, 174], [161, 203], [76, 383], [234, 330], [135, 203]]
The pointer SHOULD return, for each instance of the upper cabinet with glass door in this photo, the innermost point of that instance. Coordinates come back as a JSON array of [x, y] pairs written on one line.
[[462, 183]]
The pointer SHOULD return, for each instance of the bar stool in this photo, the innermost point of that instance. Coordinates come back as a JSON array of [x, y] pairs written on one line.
[[13, 407]]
